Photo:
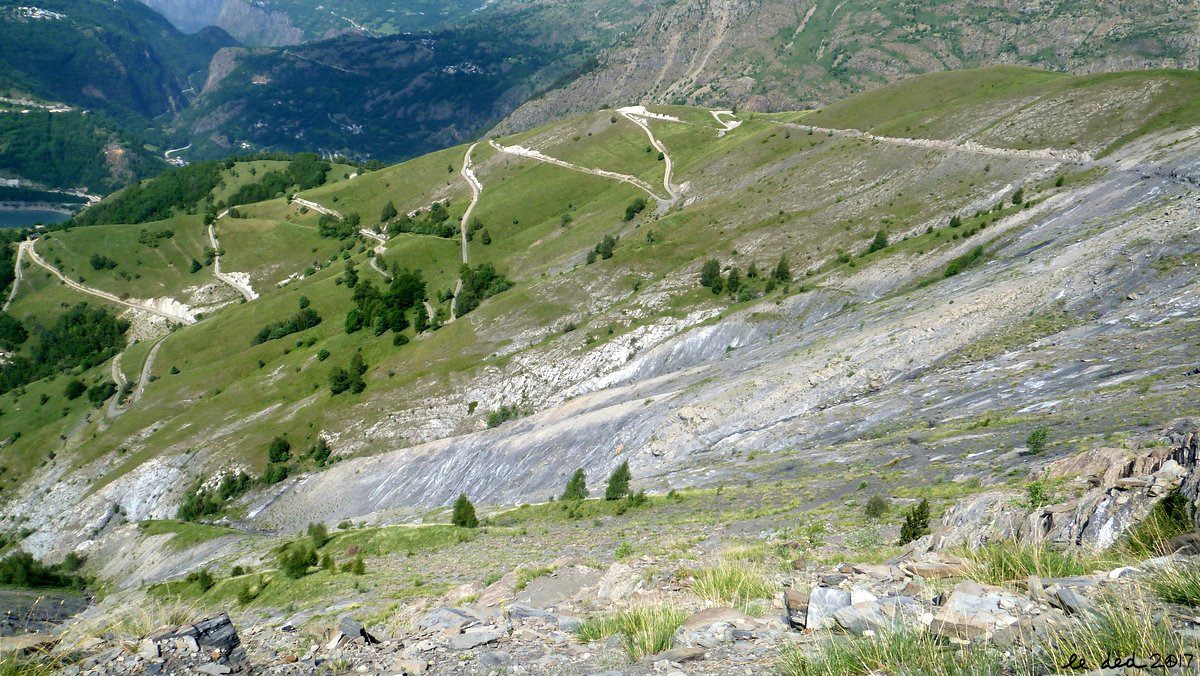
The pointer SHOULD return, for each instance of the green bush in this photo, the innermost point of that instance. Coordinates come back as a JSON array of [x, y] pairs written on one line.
[[877, 506], [296, 559], [1035, 442], [74, 389]]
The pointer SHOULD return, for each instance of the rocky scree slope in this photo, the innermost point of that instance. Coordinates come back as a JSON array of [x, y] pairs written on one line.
[[888, 359]]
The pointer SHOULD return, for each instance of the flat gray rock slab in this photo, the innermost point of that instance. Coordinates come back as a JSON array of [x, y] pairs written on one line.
[[474, 639]]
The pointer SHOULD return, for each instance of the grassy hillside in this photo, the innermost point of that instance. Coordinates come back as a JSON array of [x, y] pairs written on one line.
[[763, 191]]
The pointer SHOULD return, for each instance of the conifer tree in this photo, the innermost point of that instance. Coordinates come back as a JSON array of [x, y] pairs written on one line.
[[618, 483], [577, 487], [464, 513]]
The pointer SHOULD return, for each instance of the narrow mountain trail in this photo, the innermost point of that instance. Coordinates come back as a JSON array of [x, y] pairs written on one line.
[[144, 378], [639, 116], [316, 207], [234, 279], [468, 174], [726, 125], [169, 309], [1052, 154], [380, 250], [12, 293], [172, 151], [521, 151], [114, 403]]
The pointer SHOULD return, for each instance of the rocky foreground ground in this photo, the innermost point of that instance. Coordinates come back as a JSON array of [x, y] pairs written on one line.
[[1000, 586]]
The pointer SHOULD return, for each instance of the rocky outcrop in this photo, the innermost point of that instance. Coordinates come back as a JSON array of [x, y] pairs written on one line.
[[1116, 488]]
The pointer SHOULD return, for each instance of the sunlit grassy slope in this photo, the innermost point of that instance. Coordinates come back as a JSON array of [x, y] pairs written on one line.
[[759, 192]]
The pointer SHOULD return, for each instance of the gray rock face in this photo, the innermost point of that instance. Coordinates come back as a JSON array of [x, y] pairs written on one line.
[[1125, 487], [823, 602]]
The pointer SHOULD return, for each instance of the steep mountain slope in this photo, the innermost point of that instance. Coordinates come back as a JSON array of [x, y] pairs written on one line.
[[250, 23], [388, 98], [780, 56], [68, 149], [118, 57], [947, 291], [83, 81]]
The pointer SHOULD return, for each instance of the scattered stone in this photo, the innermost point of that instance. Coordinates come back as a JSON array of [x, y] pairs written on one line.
[[796, 605], [861, 618], [710, 616], [445, 617], [619, 583], [474, 639], [1071, 602], [410, 667], [823, 602], [491, 659], [678, 655]]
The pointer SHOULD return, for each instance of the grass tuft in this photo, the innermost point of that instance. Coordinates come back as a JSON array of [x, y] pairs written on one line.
[[1125, 626], [644, 631], [1009, 561], [1177, 584], [903, 652], [733, 582]]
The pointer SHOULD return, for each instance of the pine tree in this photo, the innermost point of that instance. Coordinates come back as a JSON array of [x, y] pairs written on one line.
[[618, 483], [358, 567], [710, 272], [782, 272], [752, 271], [577, 487], [879, 243], [327, 563], [916, 523], [734, 282], [389, 212], [464, 513], [421, 322]]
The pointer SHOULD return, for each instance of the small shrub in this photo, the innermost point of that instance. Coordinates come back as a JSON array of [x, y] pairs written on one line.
[[877, 506], [1035, 442]]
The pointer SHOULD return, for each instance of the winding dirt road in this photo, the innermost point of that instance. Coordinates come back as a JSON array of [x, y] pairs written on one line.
[[242, 287], [1052, 154], [726, 125], [521, 151], [380, 250], [168, 309], [638, 115], [12, 293], [468, 174]]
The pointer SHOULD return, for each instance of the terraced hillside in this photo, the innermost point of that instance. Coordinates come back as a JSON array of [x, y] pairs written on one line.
[[923, 274]]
